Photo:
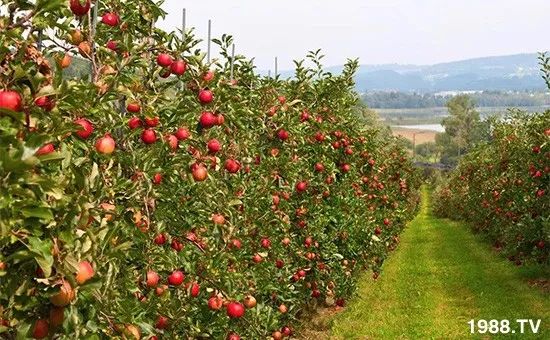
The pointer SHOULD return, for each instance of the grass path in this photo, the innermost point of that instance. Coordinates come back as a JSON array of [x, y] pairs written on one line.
[[440, 277]]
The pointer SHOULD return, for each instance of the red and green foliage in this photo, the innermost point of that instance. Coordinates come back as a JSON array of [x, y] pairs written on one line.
[[137, 224], [503, 187]]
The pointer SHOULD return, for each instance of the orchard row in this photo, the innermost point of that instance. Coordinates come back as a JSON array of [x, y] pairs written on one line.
[[161, 198], [502, 188]]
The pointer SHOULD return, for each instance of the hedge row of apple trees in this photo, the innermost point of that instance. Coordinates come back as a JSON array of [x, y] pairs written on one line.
[[503, 187], [159, 198]]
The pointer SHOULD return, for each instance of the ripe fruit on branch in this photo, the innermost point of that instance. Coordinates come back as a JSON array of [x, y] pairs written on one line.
[[133, 107], [176, 278], [208, 76], [265, 243], [164, 60], [199, 172], [110, 19], [235, 310], [112, 45], [282, 134], [78, 8], [172, 141], [249, 301], [182, 133], [208, 119], [160, 239], [214, 146], [301, 186], [232, 166], [85, 272], [232, 336], [319, 167], [215, 303], [218, 219], [152, 122], [205, 96], [45, 150], [84, 49], [178, 67], [148, 136], [65, 61], [157, 178], [134, 123], [40, 329], [162, 322], [85, 128], [64, 296], [105, 144], [152, 279], [45, 103], [57, 314]]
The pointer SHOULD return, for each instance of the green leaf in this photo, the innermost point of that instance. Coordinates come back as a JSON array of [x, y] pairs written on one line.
[[43, 251], [38, 212]]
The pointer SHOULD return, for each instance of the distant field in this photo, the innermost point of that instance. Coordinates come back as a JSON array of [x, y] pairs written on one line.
[[434, 115], [422, 136]]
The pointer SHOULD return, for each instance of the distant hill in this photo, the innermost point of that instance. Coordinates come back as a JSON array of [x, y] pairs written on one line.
[[512, 72]]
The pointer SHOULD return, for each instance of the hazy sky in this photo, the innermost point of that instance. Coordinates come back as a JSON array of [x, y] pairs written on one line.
[[376, 31]]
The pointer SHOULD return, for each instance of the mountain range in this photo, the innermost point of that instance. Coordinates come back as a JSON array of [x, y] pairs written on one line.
[[511, 72]]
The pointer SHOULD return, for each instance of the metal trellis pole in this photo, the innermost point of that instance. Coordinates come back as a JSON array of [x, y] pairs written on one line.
[[209, 39], [232, 59]]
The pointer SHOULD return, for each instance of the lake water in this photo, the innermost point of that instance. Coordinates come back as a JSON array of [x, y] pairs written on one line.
[[430, 127]]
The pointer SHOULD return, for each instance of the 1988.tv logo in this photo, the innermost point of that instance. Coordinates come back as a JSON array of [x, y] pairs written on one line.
[[520, 326]]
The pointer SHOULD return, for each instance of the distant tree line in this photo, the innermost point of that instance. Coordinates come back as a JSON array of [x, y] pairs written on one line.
[[403, 100]]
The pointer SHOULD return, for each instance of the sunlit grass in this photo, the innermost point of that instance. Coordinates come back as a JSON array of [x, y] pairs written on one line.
[[439, 278]]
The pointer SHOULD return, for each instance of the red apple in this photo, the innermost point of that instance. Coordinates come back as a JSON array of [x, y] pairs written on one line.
[[45, 103], [195, 289], [133, 107], [199, 172], [164, 60], [218, 219], [301, 186], [172, 141], [208, 119], [208, 76], [205, 96], [178, 67], [45, 150], [214, 146], [134, 123], [319, 167], [282, 134], [40, 329], [265, 243], [182, 133], [232, 166], [157, 178], [105, 144], [152, 121], [235, 310], [152, 279], [11, 100], [176, 278], [162, 322], [112, 45], [85, 272], [86, 128], [236, 243], [110, 19], [148, 136], [160, 239], [78, 9], [215, 303]]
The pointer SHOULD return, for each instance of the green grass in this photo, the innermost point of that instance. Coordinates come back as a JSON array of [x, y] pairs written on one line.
[[440, 277]]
